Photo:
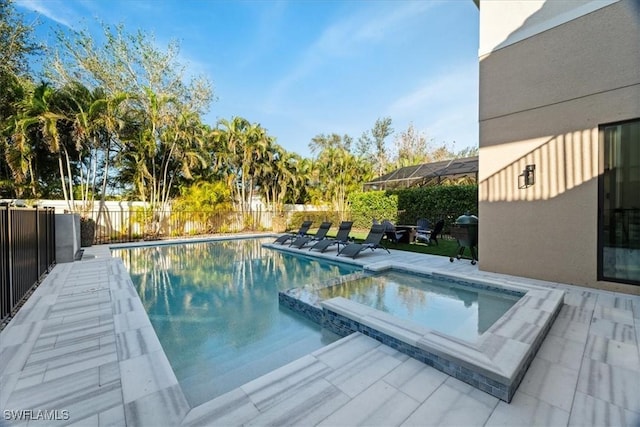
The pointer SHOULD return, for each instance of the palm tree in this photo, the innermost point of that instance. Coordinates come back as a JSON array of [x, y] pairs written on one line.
[[39, 112], [279, 177], [255, 159], [225, 139], [337, 173], [107, 118]]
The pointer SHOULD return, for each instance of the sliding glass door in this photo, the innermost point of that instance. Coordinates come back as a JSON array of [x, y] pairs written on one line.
[[619, 202]]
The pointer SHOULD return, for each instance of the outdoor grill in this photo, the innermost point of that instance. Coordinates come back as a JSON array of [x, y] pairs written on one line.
[[465, 230]]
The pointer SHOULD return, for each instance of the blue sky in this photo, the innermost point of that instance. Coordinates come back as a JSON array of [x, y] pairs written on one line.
[[302, 68]]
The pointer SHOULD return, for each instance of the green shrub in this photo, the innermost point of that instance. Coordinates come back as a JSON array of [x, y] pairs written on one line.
[[407, 205], [370, 205], [436, 202]]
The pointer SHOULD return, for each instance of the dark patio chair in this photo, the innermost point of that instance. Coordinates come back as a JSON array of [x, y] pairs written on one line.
[[437, 230], [391, 233], [342, 238], [371, 242], [286, 238], [321, 234]]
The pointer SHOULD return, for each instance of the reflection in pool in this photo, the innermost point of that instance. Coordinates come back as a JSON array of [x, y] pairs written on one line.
[[452, 308], [214, 306]]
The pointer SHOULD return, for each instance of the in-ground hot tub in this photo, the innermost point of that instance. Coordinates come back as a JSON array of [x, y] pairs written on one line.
[[494, 361]]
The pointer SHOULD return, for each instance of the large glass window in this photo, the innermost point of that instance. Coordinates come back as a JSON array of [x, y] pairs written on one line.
[[619, 222]]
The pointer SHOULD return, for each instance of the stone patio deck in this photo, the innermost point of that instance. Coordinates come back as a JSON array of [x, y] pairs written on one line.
[[82, 351]]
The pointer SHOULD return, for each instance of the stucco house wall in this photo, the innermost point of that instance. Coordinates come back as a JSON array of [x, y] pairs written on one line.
[[551, 72]]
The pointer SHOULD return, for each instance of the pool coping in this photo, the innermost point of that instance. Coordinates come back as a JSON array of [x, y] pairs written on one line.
[[496, 363]]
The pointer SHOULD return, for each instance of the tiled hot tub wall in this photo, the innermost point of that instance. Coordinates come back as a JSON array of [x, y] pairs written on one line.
[[306, 302], [496, 365]]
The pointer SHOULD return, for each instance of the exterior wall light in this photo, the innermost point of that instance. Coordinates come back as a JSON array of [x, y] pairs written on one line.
[[528, 177]]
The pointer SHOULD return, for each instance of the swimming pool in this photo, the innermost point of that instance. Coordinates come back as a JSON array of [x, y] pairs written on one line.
[[214, 306], [453, 308]]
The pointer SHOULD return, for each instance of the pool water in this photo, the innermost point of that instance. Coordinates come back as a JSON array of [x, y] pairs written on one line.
[[214, 306], [453, 308]]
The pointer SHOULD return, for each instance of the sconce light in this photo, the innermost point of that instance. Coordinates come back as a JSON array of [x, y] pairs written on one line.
[[528, 177]]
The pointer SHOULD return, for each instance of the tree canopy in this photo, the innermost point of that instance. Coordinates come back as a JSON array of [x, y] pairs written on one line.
[[124, 118]]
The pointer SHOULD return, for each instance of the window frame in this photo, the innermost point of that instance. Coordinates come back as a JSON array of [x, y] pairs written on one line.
[[601, 204]]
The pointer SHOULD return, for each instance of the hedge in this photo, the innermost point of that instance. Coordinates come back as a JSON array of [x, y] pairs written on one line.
[[370, 205], [406, 206]]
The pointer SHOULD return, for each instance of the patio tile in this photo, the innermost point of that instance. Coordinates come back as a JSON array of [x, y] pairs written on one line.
[[112, 417], [582, 299], [8, 383], [93, 420], [564, 352], [34, 312], [65, 355], [617, 301], [622, 332], [345, 350], [109, 372], [130, 320], [576, 313], [619, 315], [125, 305], [285, 382], [454, 403], [101, 315], [29, 378], [233, 408], [587, 410], [613, 352], [13, 358], [308, 406], [636, 308], [566, 328], [165, 407], [415, 379], [81, 394], [145, 375], [553, 384], [69, 330], [379, 405], [612, 384], [137, 342], [526, 409], [72, 349], [96, 402], [358, 374], [20, 333]]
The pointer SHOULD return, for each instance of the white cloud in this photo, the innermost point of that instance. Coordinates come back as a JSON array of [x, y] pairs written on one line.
[[371, 25], [54, 10], [445, 88], [347, 36], [445, 106]]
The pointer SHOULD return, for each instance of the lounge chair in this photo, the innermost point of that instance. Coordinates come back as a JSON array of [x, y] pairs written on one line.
[[390, 231], [321, 234], [286, 238], [342, 238], [371, 242]]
